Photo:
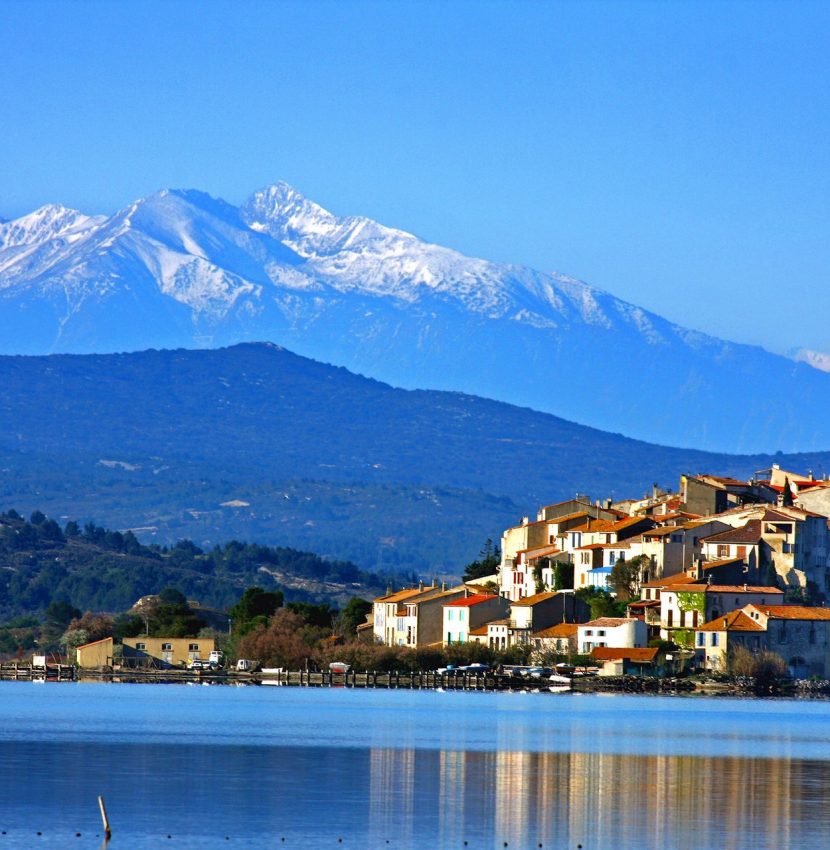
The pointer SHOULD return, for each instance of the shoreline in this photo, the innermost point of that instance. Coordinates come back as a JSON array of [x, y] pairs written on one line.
[[406, 680]]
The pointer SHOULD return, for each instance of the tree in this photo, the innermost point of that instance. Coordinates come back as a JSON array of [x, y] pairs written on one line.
[[353, 614], [60, 613], [625, 576], [489, 559], [92, 626], [787, 500], [563, 576], [601, 602], [254, 608], [287, 641]]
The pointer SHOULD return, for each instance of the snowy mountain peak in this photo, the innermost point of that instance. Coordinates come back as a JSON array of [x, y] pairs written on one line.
[[45, 223]]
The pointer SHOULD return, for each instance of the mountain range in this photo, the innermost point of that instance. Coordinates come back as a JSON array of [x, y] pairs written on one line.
[[183, 269], [254, 442]]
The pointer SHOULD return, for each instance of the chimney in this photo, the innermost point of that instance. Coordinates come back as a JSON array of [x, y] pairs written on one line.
[[654, 490], [724, 622], [420, 585], [443, 585], [745, 586]]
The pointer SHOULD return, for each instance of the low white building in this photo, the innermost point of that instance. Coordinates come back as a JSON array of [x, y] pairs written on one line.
[[617, 632]]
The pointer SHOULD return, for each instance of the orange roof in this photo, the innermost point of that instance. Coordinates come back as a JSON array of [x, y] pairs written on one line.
[[724, 588], [662, 531], [469, 601], [533, 600], [560, 630], [481, 631], [734, 621], [400, 595], [792, 612], [676, 578], [609, 622], [576, 515], [640, 655]]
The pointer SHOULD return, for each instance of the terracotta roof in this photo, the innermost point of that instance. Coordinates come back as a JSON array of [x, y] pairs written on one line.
[[641, 655], [560, 630], [644, 603], [481, 631], [535, 599], [713, 565], [407, 593], [724, 588], [792, 612], [538, 551], [567, 517], [749, 533], [662, 531], [676, 578], [469, 601], [607, 622], [734, 621]]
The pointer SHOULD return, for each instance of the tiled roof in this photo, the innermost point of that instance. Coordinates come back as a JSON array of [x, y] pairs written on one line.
[[725, 588], [734, 621], [560, 630], [469, 601], [749, 533], [567, 517], [407, 593], [535, 599], [662, 531], [676, 578], [481, 631], [643, 655], [792, 612], [607, 622]]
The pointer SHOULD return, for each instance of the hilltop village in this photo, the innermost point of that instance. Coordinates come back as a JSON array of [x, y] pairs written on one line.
[[672, 581]]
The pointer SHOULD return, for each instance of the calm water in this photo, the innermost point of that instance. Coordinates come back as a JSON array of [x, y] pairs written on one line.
[[299, 768]]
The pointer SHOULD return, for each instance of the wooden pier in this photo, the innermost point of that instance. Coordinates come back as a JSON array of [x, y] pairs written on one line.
[[17, 670]]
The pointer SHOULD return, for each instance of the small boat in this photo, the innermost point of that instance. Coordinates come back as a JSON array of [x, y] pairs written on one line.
[[559, 679], [339, 667]]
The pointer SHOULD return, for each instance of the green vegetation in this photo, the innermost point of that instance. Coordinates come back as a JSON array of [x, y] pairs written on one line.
[[601, 602], [487, 563], [626, 575], [46, 569]]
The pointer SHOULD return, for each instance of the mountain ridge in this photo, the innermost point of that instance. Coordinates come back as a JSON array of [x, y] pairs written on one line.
[[182, 269], [255, 442]]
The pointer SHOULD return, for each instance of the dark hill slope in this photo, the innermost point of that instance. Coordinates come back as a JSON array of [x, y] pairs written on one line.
[[306, 454]]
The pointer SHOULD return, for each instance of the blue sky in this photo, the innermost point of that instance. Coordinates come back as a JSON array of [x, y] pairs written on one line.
[[675, 154]]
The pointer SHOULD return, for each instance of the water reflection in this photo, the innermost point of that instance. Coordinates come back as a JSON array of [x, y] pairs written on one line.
[[597, 800]]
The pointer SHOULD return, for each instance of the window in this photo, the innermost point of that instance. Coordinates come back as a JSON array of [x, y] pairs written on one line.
[[600, 632], [193, 647], [141, 646], [670, 618], [723, 551], [167, 647], [585, 558], [588, 632], [715, 641], [701, 639], [450, 614], [676, 538], [461, 614]]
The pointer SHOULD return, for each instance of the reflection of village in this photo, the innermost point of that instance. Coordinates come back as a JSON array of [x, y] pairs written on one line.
[[720, 563], [594, 799]]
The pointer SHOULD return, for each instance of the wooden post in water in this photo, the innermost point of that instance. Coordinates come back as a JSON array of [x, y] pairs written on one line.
[[105, 819]]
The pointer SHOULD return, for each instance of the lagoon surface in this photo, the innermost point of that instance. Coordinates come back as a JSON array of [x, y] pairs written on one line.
[[232, 767]]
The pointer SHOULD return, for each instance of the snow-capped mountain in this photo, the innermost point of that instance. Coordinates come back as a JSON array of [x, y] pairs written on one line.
[[183, 269]]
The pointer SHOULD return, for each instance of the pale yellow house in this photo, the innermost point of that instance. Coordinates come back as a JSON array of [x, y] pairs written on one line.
[[93, 655], [148, 651]]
